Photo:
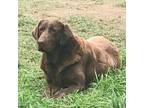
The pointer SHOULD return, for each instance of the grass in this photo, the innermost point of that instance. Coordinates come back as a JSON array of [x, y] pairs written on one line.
[[119, 3], [106, 92]]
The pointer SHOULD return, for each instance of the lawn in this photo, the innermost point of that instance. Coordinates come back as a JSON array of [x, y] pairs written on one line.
[[106, 92]]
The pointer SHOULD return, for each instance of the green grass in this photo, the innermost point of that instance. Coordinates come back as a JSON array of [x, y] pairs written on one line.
[[108, 92], [119, 3]]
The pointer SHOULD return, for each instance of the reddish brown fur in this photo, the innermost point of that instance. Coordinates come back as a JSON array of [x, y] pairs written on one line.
[[72, 62]]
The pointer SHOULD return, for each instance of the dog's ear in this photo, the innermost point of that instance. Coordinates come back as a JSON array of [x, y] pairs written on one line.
[[35, 32], [67, 34]]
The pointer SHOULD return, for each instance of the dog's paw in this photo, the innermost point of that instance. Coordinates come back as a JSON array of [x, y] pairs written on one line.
[[46, 93], [59, 94]]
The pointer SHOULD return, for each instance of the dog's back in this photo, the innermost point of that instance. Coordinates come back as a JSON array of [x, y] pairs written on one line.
[[108, 52]]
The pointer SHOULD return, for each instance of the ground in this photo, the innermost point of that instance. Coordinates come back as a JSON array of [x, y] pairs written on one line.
[[86, 18]]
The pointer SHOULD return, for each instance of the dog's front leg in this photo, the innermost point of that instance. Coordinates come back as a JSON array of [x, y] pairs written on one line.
[[73, 88], [51, 90]]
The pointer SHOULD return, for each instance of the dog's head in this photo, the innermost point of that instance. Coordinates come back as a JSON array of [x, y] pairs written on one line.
[[50, 34]]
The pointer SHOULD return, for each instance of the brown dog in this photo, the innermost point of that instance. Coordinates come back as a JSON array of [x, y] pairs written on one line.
[[70, 62]]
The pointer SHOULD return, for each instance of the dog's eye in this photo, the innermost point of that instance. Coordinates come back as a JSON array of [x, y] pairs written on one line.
[[52, 30], [41, 28]]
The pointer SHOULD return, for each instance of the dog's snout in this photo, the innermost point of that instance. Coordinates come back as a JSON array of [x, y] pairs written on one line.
[[40, 42], [41, 45]]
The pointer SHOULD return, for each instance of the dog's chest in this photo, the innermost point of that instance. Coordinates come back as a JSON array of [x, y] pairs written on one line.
[[63, 78]]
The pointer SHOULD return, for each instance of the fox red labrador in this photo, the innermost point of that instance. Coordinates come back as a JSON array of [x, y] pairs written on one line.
[[70, 62]]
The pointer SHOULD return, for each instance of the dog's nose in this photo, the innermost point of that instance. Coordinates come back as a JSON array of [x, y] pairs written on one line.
[[41, 43]]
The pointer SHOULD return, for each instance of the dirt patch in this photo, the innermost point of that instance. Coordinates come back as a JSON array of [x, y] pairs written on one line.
[[62, 9]]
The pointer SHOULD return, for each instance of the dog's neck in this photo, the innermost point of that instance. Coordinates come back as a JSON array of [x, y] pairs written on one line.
[[63, 56]]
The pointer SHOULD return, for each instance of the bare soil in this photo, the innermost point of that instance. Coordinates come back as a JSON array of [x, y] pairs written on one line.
[[66, 8]]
